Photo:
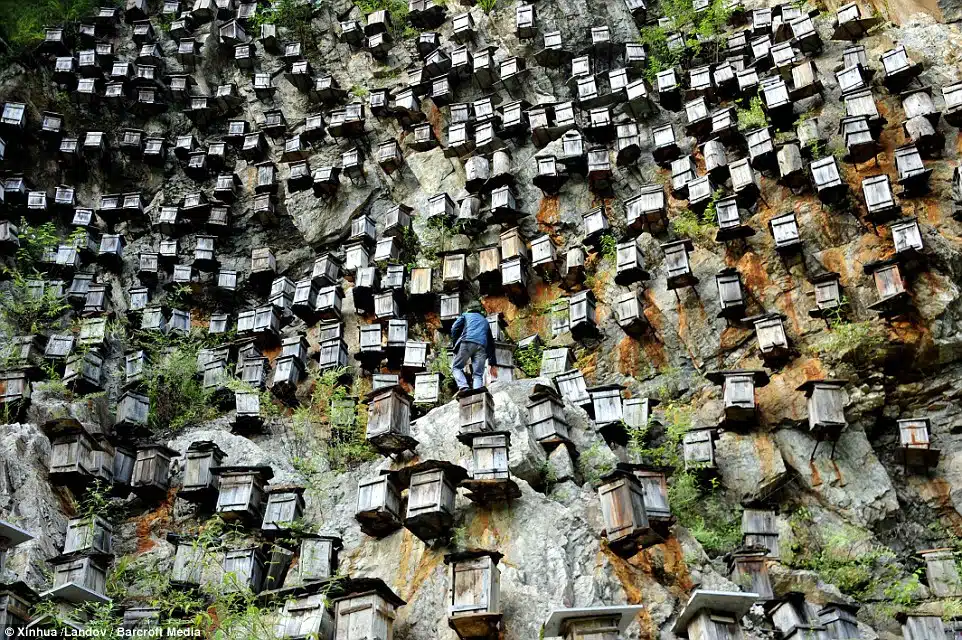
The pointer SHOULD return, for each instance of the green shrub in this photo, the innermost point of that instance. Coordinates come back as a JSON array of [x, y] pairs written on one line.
[[716, 526], [487, 5], [528, 359], [671, 433], [609, 248], [22, 23], [23, 314], [697, 229], [397, 9], [177, 397], [861, 343], [754, 116], [338, 439], [847, 557], [705, 28], [595, 462]]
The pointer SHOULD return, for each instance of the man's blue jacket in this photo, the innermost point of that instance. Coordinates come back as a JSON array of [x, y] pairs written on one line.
[[473, 327]]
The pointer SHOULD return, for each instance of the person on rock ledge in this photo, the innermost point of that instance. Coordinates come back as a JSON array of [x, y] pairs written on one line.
[[473, 343]]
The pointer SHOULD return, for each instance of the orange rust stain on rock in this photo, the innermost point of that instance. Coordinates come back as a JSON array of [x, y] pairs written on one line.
[[588, 364], [675, 564], [816, 476], [753, 273], [838, 474], [834, 260], [939, 492], [787, 305], [499, 304], [629, 356], [404, 560], [731, 337], [149, 523], [766, 454], [627, 575], [548, 215], [434, 118], [430, 560], [271, 353]]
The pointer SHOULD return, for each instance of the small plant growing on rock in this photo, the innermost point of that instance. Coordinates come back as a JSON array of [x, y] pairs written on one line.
[[593, 463], [754, 116], [716, 526], [487, 5], [528, 359]]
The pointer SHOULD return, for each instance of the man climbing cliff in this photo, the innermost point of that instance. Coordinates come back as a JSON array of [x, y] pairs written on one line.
[[473, 343]]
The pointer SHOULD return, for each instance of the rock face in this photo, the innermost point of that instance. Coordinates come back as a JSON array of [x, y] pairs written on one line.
[[850, 514]]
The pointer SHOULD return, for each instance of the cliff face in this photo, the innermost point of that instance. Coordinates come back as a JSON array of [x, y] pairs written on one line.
[[851, 517]]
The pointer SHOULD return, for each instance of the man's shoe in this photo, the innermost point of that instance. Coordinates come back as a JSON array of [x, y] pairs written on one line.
[[463, 391]]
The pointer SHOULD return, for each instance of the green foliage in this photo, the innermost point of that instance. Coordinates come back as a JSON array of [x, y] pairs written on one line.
[[704, 28], [837, 149], [754, 116], [289, 14], [24, 314], [689, 225], [609, 248], [34, 242], [847, 557], [177, 397], [595, 462], [716, 525], [22, 24], [661, 446], [442, 365], [337, 436], [861, 343], [528, 358], [487, 5], [397, 9], [96, 501], [360, 92]]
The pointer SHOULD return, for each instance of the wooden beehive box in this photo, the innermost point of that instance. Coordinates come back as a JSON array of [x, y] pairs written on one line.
[[581, 314], [826, 407], [629, 310], [698, 450], [366, 611], [546, 418], [942, 573], [432, 488], [243, 570], [571, 385], [915, 447], [285, 506], [476, 412], [921, 627], [738, 392], [489, 480], [317, 560], [879, 200], [151, 472], [79, 580], [556, 361], [677, 264], [606, 404], [242, 492], [379, 505], [389, 421], [88, 535], [623, 513], [474, 593], [199, 483], [731, 296]]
